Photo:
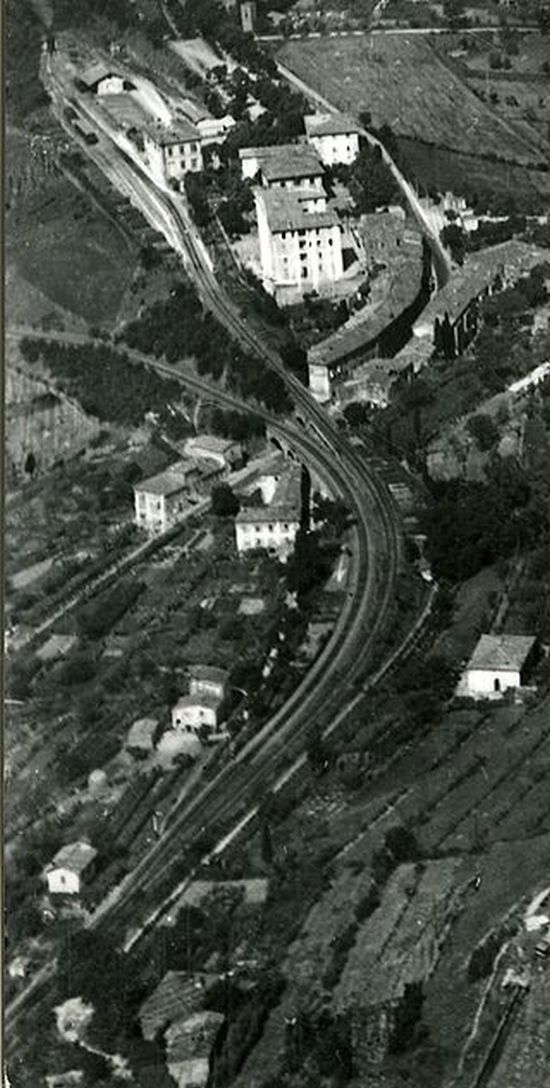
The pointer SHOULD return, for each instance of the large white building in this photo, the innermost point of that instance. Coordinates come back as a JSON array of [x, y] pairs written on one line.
[[499, 662], [173, 152], [271, 528], [161, 500], [300, 240], [69, 868], [335, 137], [283, 166]]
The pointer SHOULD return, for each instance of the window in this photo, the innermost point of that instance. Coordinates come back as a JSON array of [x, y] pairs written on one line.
[[170, 152], [496, 685]]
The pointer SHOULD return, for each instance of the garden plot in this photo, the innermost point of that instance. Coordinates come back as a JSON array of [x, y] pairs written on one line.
[[402, 82]]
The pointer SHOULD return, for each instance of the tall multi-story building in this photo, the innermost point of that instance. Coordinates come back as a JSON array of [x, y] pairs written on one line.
[[300, 240], [173, 151], [335, 137]]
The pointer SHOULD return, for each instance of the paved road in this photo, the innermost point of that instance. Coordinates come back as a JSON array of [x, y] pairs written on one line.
[[392, 30]]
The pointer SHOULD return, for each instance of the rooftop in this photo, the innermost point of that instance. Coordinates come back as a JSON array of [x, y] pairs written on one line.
[[331, 124], [180, 132], [211, 442], [212, 702], [209, 672], [95, 73], [170, 481], [141, 734], [285, 161], [364, 328], [285, 210], [513, 258], [501, 652], [178, 995], [270, 514], [75, 856], [193, 111]]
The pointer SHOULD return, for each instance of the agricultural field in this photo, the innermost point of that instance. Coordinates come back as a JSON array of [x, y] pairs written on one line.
[[49, 217], [402, 82]]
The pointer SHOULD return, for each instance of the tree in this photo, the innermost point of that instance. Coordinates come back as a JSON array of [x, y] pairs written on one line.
[[454, 238], [266, 844], [30, 464], [483, 430], [225, 503]]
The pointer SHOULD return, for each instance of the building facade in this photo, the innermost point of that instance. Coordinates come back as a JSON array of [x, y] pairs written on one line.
[[160, 501], [208, 447], [272, 529], [335, 137], [300, 240], [208, 680], [283, 166], [173, 152]]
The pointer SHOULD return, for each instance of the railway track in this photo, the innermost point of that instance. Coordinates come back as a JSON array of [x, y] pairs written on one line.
[[327, 688]]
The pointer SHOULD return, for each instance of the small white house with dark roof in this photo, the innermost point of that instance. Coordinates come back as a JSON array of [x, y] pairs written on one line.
[[71, 866], [100, 79], [498, 663], [335, 137]]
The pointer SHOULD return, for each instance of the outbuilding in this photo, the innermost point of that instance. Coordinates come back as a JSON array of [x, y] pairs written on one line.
[[71, 866], [498, 663]]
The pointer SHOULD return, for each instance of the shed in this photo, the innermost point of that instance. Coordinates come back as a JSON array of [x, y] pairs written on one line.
[[142, 736], [208, 680], [499, 662], [178, 995], [69, 868]]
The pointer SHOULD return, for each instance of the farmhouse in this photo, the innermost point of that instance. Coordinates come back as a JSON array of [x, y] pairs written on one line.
[[161, 500], [208, 680], [208, 447], [300, 240], [457, 306], [335, 137], [101, 80], [71, 866], [499, 662], [173, 152], [271, 528], [283, 166], [194, 713]]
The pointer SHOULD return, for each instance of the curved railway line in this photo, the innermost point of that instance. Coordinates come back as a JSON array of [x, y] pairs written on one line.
[[333, 681]]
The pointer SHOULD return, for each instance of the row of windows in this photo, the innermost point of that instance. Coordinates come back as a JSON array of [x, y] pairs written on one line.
[[258, 528]]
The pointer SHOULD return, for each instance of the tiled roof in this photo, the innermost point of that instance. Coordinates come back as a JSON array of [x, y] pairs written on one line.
[[170, 481], [212, 702], [270, 514], [501, 652], [513, 258], [285, 210], [331, 124], [75, 856], [284, 161], [178, 995], [95, 73], [180, 132], [208, 672]]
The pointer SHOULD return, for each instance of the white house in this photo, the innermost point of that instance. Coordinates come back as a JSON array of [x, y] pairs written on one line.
[[271, 528], [161, 500], [194, 713], [335, 137], [499, 662], [300, 240], [71, 866], [208, 680], [173, 152]]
